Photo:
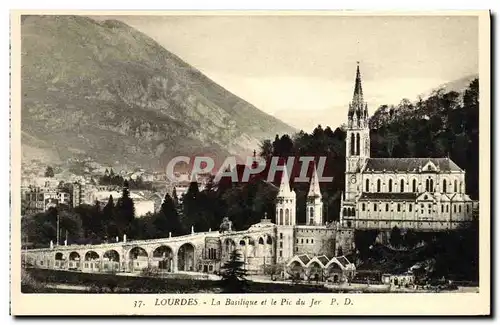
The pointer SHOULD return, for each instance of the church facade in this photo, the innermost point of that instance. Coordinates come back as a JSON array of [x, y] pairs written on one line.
[[425, 194]]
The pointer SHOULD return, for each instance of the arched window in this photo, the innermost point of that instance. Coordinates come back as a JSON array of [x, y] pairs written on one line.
[[374, 206], [311, 215], [367, 186], [427, 185], [353, 212], [431, 185], [387, 207], [390, 185], [378, 185], [281, 216], [461, 186], [345, 212], [414, 185], [353, 142], [402, 186], [363, 207], [444, 185], [454, 208], [357, 144], [287, 217], [410, 207], [455, 187], [399, 207]]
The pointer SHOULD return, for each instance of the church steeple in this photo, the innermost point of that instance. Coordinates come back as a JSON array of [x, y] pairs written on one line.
[[314, 189], [358, 89], [358, 131], [358, 109]]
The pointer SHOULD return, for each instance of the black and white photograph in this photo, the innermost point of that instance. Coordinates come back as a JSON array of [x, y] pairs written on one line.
[[172, 155]]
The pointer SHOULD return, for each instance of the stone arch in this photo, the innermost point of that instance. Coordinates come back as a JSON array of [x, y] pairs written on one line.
[[261, 241], [59, 256], [164, 256], [112, 255], [74, 256], [315, 271], [137, 252], [333, 268], [74, 260], [248, 249], [295, 269], [269, 240], [186, 257], [91, 256], [229, 245], [138, 259]]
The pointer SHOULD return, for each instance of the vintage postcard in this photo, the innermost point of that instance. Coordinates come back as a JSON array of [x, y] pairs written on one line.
[[250, 163]]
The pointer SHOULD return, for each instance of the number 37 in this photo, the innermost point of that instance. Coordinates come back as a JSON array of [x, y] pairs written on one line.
[[138, 303]]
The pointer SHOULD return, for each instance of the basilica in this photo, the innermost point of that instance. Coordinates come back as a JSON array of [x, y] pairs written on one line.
[[425, 194]]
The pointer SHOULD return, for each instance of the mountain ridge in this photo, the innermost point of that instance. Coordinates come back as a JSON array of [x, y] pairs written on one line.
[[106, 90]]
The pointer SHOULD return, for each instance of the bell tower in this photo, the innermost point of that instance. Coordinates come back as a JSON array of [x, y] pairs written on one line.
[[314, 206], [285, 219], [357, 138]]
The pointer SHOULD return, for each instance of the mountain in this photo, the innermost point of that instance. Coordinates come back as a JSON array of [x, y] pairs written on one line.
[[107, 91], [458, 85]]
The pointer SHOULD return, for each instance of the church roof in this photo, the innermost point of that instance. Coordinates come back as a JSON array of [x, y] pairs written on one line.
[[323, 259], [304, 258], [405, 196], [343, 260], [409, 164], [314, 189]]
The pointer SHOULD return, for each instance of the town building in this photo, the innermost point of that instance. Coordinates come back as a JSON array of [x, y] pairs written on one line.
[[39, 199], [426, 194]]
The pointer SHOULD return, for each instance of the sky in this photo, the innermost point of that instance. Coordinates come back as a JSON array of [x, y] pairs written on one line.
[[301, 69]]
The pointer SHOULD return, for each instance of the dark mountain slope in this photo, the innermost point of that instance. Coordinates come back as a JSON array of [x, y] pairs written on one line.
[[105, 90]]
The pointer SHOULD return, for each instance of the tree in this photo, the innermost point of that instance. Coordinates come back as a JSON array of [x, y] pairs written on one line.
[[396, 238], [168, 219], [108, 218], [234, 274], [49, 172], [125, 211]]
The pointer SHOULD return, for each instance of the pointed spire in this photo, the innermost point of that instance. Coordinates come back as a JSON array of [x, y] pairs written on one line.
[[358, 89], [285, 189], [314, 189]]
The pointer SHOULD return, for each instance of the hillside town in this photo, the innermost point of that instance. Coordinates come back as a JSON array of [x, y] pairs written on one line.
[[44, 186]]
